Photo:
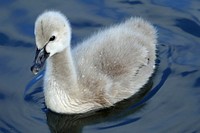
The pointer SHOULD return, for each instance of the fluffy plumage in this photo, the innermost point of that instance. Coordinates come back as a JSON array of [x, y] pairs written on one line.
[[106, 68]]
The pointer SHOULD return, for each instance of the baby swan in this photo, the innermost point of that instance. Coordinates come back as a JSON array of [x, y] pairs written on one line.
[[108, 67]]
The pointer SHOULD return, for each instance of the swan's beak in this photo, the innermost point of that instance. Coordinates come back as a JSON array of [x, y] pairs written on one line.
[[40, 58]]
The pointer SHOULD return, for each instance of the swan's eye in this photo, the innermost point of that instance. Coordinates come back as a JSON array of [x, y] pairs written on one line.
[[52, 38]]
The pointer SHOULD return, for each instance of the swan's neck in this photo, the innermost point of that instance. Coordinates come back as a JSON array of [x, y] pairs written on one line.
[[62, 69], [60, 83]]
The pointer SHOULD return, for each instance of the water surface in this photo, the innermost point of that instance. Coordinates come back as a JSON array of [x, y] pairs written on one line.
[[172, 105]]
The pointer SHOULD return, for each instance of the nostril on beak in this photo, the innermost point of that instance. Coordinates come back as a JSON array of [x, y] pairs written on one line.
[[35, 69]]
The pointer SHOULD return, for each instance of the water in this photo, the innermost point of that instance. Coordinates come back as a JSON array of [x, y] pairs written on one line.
[[172, 105]]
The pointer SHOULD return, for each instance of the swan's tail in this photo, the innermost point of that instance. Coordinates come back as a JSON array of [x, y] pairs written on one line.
[[140, 25]]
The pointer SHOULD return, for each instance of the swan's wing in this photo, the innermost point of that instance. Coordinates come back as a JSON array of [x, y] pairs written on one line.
[[123, 55]]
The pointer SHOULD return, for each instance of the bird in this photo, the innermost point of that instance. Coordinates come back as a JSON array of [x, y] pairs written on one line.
[[109, 66]]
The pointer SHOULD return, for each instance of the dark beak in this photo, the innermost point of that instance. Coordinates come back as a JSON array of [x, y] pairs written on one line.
[[40, 58]]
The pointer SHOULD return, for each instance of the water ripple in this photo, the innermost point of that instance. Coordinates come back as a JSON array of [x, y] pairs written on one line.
[[188, 26], [197, 82], [29, 96], [6, 41], [131, 2], [10, 127], [2, 96], [125, 122]]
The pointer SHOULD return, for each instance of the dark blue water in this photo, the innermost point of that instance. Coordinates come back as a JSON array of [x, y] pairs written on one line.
[[169, 103]]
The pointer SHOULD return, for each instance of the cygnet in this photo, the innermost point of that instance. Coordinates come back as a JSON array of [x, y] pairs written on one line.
[[108, 67]]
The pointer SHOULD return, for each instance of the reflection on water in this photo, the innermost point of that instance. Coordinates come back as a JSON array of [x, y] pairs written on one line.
[[169, 103]]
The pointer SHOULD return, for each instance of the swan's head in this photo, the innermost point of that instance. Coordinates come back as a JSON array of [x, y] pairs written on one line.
[[52, 35]]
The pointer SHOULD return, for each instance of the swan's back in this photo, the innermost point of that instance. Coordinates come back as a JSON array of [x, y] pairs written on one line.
[[116, 62]]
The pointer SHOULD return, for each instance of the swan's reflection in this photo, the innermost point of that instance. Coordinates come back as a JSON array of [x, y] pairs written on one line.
[[62, 123]]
